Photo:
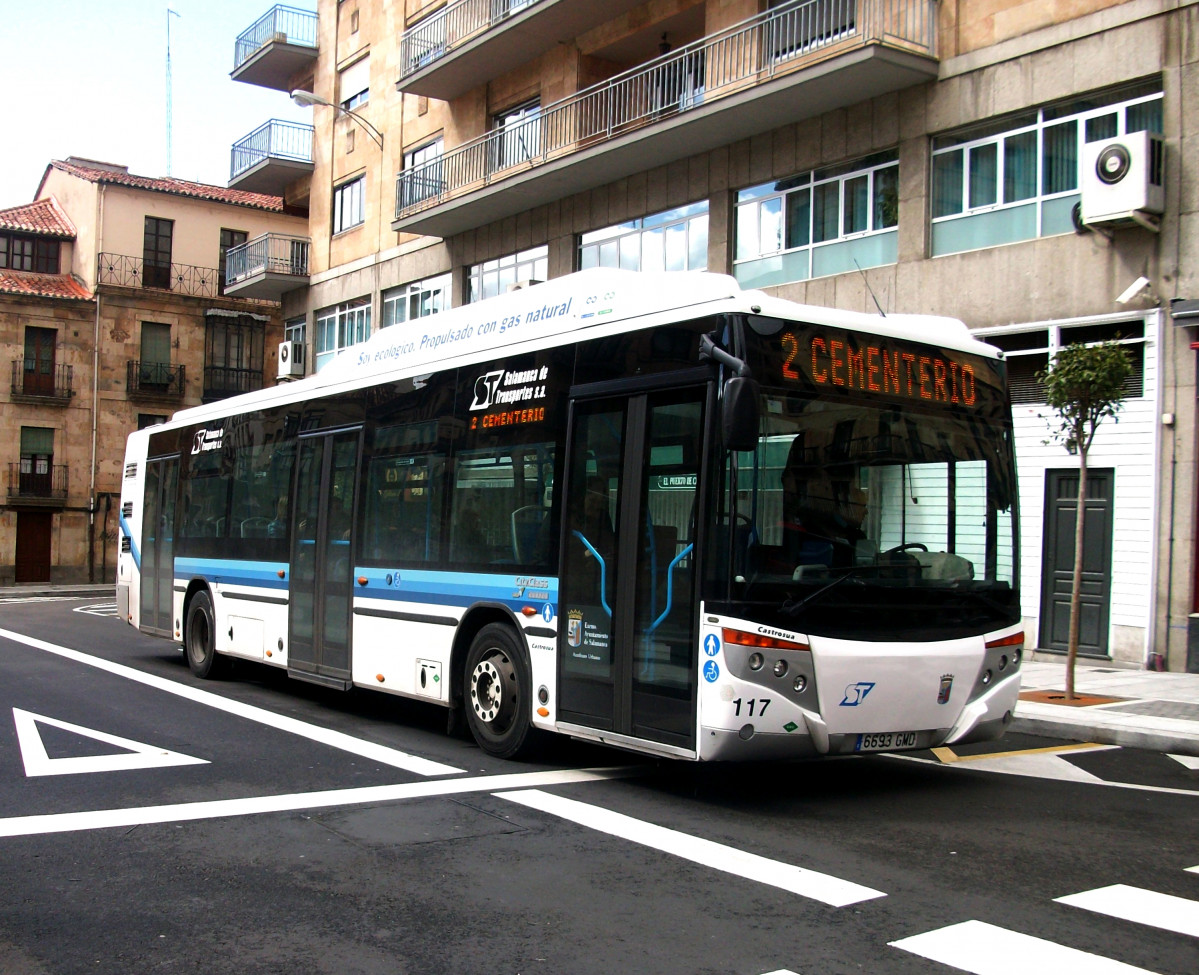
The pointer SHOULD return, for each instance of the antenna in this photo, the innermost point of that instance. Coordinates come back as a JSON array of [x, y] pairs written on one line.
[[868, 288], [170, 153]]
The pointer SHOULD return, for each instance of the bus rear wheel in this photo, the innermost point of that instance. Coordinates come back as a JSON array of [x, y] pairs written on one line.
[[498, 693], [199, 638]]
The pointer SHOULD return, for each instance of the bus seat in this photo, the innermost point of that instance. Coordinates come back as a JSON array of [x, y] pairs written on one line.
[[254, 527]]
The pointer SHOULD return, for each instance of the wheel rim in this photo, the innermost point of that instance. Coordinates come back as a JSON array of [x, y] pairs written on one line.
[[490, 697]]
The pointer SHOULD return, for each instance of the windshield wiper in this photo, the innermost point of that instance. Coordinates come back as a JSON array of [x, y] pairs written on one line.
[[794, 607]]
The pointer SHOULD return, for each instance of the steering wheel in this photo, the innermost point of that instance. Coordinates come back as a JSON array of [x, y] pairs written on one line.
[[918, 546]]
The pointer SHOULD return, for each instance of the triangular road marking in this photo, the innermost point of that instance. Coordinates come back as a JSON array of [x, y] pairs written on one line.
[[1190, 761], [37, 762]]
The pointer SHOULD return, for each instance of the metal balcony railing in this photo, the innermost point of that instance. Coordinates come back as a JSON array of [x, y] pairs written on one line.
[[27, 483], [271, 254], [154, 379], [134, 272], [450, 27], [280, 23], [222, 381], [275, 139], [29, 379], [779, 41]]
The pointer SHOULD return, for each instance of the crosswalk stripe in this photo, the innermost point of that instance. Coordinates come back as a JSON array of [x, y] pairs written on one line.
[[984, 949], [1149, 907], [717, 856]]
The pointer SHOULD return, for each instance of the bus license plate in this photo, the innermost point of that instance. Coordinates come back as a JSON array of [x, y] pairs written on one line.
[[881, 741]]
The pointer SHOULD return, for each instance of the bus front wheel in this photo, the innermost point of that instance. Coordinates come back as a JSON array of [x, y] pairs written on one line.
[[498, 693], [199, 638]]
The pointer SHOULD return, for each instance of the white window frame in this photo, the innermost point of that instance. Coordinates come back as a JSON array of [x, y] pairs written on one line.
[[417, 299], [349, 204], [354, 84], [495, 277], [769, 236], [416, 187], [339, 327], [1059, 202], [624, 245]]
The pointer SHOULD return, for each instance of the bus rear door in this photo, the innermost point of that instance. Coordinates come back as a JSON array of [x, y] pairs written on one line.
[[627, 633]]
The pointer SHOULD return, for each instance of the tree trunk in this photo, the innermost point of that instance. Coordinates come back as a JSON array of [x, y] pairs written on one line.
[[1076, 582]]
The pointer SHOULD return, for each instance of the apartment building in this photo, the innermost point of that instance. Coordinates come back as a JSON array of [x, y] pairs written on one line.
[[1020, 165], [113, 314]]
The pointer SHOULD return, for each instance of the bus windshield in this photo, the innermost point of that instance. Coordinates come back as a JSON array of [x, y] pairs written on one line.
[[880, 500]]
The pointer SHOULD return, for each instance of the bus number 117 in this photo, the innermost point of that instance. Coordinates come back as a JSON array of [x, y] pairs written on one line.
[[752, 704]]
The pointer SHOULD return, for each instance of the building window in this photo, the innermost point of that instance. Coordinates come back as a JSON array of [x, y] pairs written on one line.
[[419, 299], [295, 329], [497, 276], [154, 369], [1028, 351], [827, 221], [354, 84], [348, 205], [150, 420], [38, 367], [422, 176], [233, 354], [339, 327], [156, 252], [1018, 178], [229, 238], [675, 240], [19, 252], [37, 461], [518, 135]]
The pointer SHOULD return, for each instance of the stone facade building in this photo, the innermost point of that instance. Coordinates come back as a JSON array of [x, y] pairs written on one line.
[[905, 154], [112, 316]]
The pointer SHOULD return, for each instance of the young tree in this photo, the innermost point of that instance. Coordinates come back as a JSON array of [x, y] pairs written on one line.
[[1084, 385]]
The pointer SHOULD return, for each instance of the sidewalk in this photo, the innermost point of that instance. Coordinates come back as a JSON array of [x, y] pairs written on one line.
[[1157, 711], [35, 590]]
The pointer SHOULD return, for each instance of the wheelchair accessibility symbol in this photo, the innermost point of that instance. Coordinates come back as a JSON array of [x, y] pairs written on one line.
[[711, 671]]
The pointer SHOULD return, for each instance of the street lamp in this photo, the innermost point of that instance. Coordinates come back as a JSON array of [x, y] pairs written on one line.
[[306, 99]]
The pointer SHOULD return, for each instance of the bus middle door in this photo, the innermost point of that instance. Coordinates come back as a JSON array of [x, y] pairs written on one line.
[[322, 566], [628, 660]]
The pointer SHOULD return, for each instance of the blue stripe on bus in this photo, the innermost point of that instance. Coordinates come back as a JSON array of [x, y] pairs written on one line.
[[234, 572], [455, 588], [133, 546]]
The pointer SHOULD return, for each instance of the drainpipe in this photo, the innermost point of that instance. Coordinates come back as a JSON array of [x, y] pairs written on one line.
[[91, 488]]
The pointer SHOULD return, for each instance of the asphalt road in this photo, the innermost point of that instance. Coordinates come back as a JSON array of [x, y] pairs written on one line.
[[151, 822]]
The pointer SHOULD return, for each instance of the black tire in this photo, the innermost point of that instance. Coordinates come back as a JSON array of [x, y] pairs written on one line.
[[498, 693], [199, 638]]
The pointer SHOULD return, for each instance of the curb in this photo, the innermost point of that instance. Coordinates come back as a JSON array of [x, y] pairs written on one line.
[[1177, 741]]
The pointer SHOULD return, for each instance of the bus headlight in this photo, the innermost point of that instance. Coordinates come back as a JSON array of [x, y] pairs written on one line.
[[780, 668], [756, 660]]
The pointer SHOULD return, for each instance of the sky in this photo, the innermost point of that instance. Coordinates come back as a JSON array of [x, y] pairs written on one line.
[[87, 78]]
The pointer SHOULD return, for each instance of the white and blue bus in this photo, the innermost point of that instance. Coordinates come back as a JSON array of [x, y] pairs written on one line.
[[649, 510]]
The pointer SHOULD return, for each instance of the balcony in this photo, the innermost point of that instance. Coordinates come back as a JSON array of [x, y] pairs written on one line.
[[467, 43], [46, 488], [276, 47], [154, 381], [133, 272], [30, 384], [223, 381], [789, 63], [267, 266], [271, 157]]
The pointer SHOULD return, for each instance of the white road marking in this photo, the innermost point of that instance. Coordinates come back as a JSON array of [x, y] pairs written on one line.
[[324, 736], [985, 949], [1148, 907], [797, 880], [1192, 869], [38, 762], [256, 805], [97, 609], [1190, 761]]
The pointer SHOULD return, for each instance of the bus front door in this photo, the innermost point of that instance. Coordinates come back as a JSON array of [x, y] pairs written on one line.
[[321, 587], [628, 659], [158, 546]]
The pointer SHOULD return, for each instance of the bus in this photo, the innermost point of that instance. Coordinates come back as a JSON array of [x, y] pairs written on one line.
[[648, 510]]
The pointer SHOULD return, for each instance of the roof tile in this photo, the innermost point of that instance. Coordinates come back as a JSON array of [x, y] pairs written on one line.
[[43, 217], [168, 184], [42, 285]]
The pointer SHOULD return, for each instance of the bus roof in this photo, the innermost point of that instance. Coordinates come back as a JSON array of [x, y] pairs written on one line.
[[597, 301]]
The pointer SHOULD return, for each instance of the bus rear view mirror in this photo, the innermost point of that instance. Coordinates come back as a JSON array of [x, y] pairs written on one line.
[[739, 413]]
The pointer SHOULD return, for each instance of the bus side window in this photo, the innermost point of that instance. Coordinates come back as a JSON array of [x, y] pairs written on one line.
[[404, 509]]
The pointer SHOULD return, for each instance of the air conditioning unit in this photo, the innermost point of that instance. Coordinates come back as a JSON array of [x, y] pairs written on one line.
[[1123, 181], [291, 360]]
